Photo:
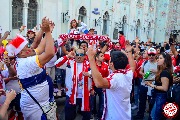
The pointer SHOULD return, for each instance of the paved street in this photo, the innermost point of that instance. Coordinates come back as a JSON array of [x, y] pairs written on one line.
[[60, 110]]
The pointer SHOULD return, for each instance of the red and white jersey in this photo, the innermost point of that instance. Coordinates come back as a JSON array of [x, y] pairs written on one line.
[[77, 85], [117, 97]]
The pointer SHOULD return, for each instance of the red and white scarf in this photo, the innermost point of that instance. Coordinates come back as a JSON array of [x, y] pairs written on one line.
[[85, 99], [83, 37]]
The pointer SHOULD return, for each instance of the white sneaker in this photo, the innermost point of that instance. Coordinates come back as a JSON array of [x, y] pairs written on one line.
[[134, 107]]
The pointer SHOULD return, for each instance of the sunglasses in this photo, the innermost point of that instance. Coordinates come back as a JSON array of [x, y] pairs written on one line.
[[151, 54], [80, 54]]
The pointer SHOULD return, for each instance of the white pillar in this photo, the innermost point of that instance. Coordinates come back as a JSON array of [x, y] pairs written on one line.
[[38, 16], [25, 14]]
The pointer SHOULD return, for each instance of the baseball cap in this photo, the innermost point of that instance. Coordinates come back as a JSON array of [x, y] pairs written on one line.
[[151, 51], [31, 30], [91, 29]]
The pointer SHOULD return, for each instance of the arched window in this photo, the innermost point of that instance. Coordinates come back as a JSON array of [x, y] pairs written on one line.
[[115, 34], [150, 3], [17, 14], [82, 14], [139, 1], [105, 23], [138, 25], [124, 25], [149, 31], [32, 14]]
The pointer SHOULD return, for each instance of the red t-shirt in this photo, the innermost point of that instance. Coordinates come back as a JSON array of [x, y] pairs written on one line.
[[173, 60], [103, 69], [122, 41]]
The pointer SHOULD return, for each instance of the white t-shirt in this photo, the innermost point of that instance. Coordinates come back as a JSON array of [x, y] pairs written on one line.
[[118, 96], [28, 67]]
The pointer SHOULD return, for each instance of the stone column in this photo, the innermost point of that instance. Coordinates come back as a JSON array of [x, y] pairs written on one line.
[[25, 14], [38, 16]]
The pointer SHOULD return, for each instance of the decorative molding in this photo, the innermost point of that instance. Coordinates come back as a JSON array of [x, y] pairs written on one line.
[[26, 5]]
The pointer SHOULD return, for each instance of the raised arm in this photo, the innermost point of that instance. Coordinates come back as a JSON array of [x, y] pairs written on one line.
[[130, 56], [63, 48], [6, 34], [37, 39], [173, 49], [99, 81], [137, 43], [11, 69], [82, 27], [48, 52], [39, 43]]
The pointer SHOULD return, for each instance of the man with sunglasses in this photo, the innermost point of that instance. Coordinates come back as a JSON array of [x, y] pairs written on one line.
[[149, 65], [78, 85]]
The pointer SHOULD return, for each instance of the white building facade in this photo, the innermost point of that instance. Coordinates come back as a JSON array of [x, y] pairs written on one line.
[[145, 19]]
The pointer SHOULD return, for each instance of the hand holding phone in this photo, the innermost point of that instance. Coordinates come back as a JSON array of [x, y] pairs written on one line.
[[171, 41]]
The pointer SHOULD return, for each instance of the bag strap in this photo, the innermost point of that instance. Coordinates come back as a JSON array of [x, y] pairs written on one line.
[[34, 99]]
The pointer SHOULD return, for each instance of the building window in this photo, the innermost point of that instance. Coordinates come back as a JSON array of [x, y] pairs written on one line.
[[149, 31], [105, 23], [124, 25], [138, 25], [17, 14], [115, 34], [150, 4], [139, 1], [82, 14], [32, 14]]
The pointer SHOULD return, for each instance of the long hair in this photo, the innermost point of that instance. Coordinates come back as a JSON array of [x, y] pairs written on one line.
[[167, 65], [71, 23]]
